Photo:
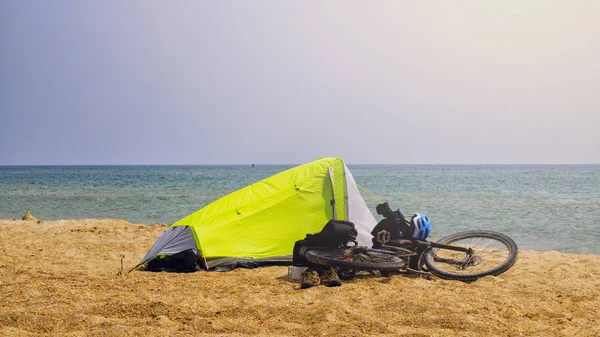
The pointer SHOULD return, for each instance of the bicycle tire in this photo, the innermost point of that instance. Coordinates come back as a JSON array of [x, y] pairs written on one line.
[[369, 260], [497, 255]]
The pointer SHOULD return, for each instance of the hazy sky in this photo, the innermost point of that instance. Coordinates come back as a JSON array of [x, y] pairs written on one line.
[[286, 82]]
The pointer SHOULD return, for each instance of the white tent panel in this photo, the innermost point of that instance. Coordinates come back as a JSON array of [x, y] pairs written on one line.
[[358, 212]]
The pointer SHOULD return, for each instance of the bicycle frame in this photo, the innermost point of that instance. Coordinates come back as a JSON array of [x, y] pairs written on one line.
[[426, 244], [468, 250]]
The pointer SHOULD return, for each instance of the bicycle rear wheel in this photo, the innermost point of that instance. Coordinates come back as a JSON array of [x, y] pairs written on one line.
[[363, 259], [493, 254]]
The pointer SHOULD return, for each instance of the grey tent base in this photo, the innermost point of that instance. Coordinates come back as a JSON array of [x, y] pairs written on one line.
[[230, 263], [180, 238], [222, 264]]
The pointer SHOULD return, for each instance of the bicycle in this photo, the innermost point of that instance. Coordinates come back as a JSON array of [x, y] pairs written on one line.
[[464, 256]]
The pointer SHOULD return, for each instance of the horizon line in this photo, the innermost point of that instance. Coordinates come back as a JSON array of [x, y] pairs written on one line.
[[295, 164]]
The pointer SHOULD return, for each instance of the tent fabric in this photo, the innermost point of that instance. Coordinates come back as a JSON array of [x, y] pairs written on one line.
[[173, 240], [358, 212], [229, 263], [261, 222]]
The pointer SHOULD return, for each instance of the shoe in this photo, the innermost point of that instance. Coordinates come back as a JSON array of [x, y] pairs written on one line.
[[330, 278], [310, 278]]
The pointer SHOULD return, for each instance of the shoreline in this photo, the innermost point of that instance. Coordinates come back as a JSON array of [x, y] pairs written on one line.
[[64, 277]]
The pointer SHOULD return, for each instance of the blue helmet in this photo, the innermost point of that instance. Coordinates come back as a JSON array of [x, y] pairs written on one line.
[[422, 226]]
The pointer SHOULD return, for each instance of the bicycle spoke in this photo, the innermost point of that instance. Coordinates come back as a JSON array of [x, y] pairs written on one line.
[[488, 253], [357, 259]]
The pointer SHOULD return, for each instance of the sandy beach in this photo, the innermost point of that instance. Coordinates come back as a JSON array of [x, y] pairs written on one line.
[[63, 278]]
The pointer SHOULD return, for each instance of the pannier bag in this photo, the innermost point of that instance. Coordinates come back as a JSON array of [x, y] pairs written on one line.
[[336, 233]]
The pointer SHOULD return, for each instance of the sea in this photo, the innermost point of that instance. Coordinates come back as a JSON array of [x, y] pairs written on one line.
[[542, 207]]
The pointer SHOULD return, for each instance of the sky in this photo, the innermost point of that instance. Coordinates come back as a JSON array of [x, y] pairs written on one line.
[[286, 82]]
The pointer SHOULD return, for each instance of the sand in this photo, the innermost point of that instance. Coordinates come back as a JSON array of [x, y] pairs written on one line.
[[62, 278]]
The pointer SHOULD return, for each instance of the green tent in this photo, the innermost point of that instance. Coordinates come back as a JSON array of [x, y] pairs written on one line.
[[260, 223]]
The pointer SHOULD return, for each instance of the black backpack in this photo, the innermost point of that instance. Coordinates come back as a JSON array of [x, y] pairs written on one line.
[[336, 233]]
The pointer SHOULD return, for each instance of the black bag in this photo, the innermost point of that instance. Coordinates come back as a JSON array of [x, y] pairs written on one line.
[[185, 261], [336, 233]]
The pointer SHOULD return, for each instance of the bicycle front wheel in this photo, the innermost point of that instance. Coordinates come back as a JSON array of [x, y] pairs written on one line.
[[492, 254], [368, 259]]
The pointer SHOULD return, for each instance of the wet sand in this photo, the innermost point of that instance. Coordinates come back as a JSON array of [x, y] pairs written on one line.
[[63, 278]]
